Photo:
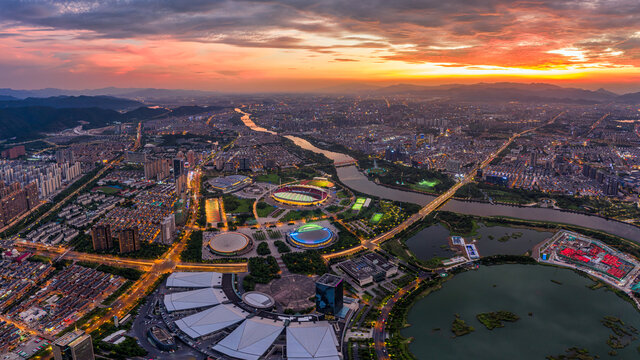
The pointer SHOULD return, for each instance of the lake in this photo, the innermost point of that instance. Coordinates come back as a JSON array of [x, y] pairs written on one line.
[[563, 316], [433, 241]]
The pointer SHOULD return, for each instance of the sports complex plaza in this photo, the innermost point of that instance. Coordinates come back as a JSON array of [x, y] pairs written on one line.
[[204, 311]]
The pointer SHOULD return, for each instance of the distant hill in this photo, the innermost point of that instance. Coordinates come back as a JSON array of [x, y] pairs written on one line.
[[6, 97], [77, 102], [140, 94], [145, 113], [26, 122], [30, 121], [632, 98]]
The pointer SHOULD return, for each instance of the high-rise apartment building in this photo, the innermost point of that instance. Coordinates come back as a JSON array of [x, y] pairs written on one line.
[[156, 168], [15, 200], [178, 167], [167, 230], [65, 156], [101, 237], [129, 240]]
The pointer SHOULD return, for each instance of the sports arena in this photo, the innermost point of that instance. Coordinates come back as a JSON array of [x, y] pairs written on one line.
[[228, 243], [301, 195], [311, 236]]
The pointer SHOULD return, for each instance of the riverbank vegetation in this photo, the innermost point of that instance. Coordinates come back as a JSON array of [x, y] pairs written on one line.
[[573, 353], [623, 334], [492, 320], [466, 225], [615, 209], [397, 345], [459, 327]]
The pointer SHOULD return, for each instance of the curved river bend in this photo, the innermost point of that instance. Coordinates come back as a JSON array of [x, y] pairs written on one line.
[[353, 178]]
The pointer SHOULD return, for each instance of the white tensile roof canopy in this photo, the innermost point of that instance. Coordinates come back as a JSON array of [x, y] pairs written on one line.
[[251, 339], [211, 320], [311, 341], [194, 279], [194, 299]]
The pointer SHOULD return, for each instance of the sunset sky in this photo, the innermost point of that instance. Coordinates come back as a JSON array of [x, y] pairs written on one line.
[[304, 45]]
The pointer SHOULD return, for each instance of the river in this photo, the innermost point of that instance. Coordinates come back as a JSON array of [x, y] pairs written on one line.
[[356, 180], [564, 313]]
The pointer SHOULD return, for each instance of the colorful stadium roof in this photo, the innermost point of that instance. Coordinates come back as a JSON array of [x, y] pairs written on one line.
[[300, 194], [311, 236], [297, 197], [309, 227]]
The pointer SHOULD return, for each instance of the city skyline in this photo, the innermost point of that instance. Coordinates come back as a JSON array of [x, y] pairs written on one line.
[[247, 46]]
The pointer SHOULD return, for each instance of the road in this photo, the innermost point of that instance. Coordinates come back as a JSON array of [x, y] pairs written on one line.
[[379, 330], [436, 203], [167, 264], [595, 124], [154, 269], [379, 333], [56, 252]]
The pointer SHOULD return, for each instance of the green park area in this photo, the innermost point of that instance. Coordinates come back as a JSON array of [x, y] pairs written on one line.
[[261, 270], [235, 205], [379, 216], [263, 209], [272, 178], [359, 203], [376, 218], [109, 190], [425, 185], [294, 215], [421, 179]]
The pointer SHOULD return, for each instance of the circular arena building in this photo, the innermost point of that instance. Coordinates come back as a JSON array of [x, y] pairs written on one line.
[[229, 243], [311, 236], [302, 195], [258, 300]]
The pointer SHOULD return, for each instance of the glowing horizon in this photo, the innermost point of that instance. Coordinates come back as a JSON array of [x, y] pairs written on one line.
[[290, 45]]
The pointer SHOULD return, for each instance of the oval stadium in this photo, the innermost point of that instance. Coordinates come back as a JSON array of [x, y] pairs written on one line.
[[302, 195], [311, 236], [229, 243]]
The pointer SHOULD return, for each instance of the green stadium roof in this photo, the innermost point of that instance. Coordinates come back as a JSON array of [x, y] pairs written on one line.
[[309, 227]]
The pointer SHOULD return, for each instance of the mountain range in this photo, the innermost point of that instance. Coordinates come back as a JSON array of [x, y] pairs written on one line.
[[77, 102], [139, 94], [482, 92], [491, 92]]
